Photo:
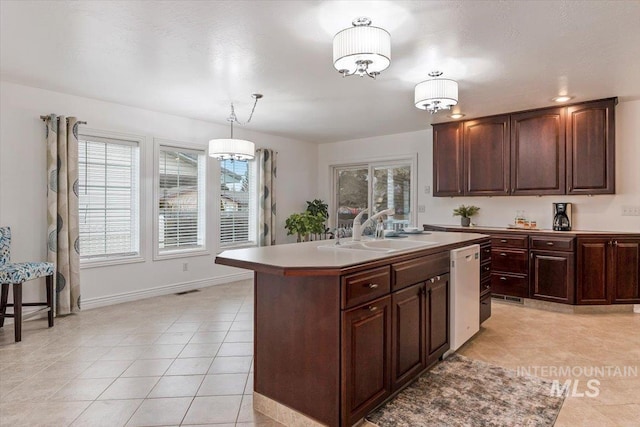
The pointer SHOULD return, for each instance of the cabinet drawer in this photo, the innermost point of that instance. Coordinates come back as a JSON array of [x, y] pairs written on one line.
[[361, 287], [418, 270], [485, 307], [485, 285], [552, 243], [513, 285], [485, 271], [485, 253], [507, 241], [510, 260]]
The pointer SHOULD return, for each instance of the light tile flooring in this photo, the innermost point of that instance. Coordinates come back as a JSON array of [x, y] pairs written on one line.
[[187, 360]]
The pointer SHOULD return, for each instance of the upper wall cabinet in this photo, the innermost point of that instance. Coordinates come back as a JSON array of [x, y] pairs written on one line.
[[538, 152], [447, 160], [559, 150], [486, 156], [591, 148]]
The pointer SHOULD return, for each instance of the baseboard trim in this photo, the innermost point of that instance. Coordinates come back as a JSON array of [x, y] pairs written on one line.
[[91, 303]]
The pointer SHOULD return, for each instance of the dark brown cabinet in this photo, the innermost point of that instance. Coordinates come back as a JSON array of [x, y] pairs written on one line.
[[556, 150], [486, 156], [408, 336], [552, 276], [447, 160], [609, 270], [437, 312], [510, 265], [366, 357], [538, 152], [590, 148], [552, 272]]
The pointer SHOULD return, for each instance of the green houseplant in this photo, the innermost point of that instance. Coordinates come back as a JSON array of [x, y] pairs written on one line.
[[311, 221], [465, 213]]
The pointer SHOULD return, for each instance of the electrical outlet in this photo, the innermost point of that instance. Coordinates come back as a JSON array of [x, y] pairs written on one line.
[[427, 189], [631, 211], [185, 266], [422, 209]]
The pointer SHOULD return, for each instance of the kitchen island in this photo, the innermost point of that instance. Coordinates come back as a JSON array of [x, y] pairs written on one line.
[[339, 331]]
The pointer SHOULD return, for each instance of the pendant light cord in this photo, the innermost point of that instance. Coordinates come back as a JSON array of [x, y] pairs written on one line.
[[233, 118]]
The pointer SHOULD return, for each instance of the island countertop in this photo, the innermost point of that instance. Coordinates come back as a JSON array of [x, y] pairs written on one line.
[[308, 259]]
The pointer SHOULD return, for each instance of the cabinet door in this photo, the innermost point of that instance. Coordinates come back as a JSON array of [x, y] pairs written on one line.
[[366, 355], [538, 152], [590, 148], [408, 336], [447, 160], [592, 286], [626, 270], [553, 276], [486, 156], [437, 313]]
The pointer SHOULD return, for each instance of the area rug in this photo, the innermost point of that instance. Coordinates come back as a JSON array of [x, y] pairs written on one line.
[[464, 392]]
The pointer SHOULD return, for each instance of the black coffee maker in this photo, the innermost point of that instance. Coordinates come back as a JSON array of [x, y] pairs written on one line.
[[562, 216]]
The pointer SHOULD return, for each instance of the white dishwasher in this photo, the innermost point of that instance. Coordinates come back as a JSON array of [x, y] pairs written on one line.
[[464, 295]]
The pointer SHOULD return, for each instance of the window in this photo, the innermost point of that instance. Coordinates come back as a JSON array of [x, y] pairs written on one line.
[[109, 198], [391, 186], [180, 200], [237, 203]]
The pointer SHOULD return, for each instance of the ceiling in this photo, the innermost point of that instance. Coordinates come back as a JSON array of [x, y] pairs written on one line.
[[193, 58]]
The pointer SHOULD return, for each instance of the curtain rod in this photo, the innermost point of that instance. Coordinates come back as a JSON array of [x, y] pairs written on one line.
[[46, 117]]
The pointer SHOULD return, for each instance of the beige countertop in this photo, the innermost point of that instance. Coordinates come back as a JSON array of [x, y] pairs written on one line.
[[307, 257], [482, 228]]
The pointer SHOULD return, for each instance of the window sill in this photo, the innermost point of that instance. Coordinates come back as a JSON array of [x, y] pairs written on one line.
[[186, 253], [109, 262]]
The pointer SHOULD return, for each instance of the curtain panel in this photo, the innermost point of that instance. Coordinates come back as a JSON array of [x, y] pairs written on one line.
[[62, 210], [267, 173]]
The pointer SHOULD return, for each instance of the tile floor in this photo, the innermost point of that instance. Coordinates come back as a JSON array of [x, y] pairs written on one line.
[[187, 360]]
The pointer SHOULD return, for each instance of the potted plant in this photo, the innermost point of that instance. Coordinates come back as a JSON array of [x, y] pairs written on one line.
[[465, 213], [311, 221]]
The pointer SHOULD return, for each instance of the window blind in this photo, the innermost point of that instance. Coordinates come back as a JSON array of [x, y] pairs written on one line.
[[108, 193], [181, 200], [237, 203]]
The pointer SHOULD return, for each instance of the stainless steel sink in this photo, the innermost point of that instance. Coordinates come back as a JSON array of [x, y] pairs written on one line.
[[384, 245]]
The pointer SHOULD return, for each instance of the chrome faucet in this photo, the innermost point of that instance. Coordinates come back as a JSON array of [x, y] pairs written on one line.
[[358, 226]]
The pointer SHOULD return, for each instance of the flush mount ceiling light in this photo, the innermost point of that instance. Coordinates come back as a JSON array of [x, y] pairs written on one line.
[[436, 94], [362, 49], [563, 98], [232, 148], [456, 116]]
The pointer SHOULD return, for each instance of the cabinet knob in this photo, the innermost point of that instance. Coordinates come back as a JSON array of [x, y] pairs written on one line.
[[549, 243], [503, 254], [372, 308], [373, 285], [432, 280], [438, 277], [615, 243], [503, 278], [486, 268], [503, 241]]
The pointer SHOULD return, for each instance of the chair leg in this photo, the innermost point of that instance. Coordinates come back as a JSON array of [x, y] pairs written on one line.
[[50, 299], [3, 302], [17, 310]]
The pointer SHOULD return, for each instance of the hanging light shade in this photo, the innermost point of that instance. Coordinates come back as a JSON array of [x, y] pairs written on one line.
[[233, 148], [362, 49], [236, 149], [436, 94]]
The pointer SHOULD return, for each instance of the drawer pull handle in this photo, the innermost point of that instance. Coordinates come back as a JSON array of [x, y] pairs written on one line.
[[503, 254], [503, 241], [487, 268], [373, 285], [549, 243], [432, 280], [438, 278], [503, 278], [372, 308]]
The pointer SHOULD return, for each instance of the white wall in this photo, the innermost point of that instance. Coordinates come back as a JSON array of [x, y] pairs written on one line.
[[589, 213], [23, 187]]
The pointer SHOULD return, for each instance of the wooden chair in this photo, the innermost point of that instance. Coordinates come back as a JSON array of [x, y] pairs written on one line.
[[16, 274]]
